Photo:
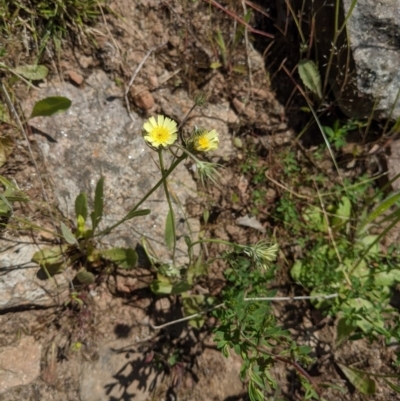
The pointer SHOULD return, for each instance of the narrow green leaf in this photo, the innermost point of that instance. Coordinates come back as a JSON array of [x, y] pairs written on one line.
[[255, 394], [137, 213], [49, 106], [81, 208], [396, 127], [5, 206], [169, 233], [97, 214], [360, 380], [388, 202], [394, 387], [4, 115], [310, 77], [256, 378], [179, 288], [67, 234], [85, 277], [32, 72], [126, 258]]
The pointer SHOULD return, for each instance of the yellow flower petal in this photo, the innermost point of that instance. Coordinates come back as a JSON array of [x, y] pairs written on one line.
[[162, 132], [205, 141]]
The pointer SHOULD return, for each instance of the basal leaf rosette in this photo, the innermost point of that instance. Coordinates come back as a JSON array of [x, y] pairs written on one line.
[[161, 132]]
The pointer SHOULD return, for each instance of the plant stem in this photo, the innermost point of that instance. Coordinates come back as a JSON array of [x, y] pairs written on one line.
[[171, 210], [156, 186]]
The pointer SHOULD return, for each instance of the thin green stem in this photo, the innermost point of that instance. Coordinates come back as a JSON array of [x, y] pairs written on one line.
[[171, 209], [135, 208]]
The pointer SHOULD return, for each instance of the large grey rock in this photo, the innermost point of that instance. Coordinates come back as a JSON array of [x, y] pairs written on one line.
[[95, 138], [374, 36], [362, 66]]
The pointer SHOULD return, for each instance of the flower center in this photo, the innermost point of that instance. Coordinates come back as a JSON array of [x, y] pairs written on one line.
[[161, 134], [204, 142]]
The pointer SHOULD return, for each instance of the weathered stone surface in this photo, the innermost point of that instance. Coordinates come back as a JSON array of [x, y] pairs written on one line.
[[374, 34], [95, 138], [19, 364], [361, 65], [19, 284]]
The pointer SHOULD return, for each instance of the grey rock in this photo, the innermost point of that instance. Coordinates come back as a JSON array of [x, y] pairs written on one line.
[[374, 34], [19, 364], [19, 283], [363, 65], [95, 138]]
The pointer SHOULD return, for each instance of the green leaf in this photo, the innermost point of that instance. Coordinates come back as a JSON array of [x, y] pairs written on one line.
[[137, 213], [396, 127], [97, 214], [163, 285], [342, 213], [32, 72], [4, 116], [215, 65], [49, 255], [50, 259], [67, 234], [180, 287], [394, 387], [6, 148], [49, 106], [315, 217], [85, 277], [81, 208], [125, 258], [194, 304], [255, 393], [310, 77], [343, 330], [388, 202], [169, 233], [5, 206], [196, 269], [256, 378], [387, 278], [360, 380], [296, 271]]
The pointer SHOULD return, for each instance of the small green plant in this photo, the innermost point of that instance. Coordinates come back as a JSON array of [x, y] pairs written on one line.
[[10, 194], [226, 50], [47, 19], [337, 133], [249, 328]]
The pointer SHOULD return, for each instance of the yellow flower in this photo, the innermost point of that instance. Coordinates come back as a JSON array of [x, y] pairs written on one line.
[[162, 132], [204, 141]]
